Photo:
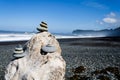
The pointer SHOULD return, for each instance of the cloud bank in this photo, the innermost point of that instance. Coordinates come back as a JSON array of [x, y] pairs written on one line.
[[109, 20]]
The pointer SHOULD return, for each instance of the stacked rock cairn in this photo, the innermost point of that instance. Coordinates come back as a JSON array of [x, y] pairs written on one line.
[[49, 48]]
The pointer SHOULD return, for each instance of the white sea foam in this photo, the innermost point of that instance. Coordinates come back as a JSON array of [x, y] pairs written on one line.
[[14, 37], [22, 37]]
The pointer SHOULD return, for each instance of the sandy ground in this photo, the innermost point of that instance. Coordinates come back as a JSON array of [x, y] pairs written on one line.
[[87, 59]]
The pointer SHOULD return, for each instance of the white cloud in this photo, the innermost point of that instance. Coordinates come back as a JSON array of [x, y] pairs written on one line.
[[109, 20]]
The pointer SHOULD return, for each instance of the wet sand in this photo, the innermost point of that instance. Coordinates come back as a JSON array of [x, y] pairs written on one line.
[[86, 58]]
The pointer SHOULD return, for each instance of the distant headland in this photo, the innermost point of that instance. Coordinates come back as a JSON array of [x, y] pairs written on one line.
[[105, 32]]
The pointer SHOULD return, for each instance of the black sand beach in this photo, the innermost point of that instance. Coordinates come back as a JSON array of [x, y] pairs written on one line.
[[86, 58]]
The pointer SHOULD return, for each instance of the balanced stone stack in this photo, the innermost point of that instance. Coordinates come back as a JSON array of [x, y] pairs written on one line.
[[18, 52], [40, 59], [43, 27]]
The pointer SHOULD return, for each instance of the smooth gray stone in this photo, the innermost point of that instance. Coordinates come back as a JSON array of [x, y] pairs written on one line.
[[18, 55], [49, 48]]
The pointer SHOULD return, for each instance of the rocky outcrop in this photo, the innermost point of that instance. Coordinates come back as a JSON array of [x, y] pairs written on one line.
[[37, 64]]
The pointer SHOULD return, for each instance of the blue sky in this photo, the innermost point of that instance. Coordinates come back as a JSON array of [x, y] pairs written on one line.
[[61, 15]]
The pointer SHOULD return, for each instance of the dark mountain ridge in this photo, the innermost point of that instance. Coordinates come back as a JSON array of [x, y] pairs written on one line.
[[104, 32]]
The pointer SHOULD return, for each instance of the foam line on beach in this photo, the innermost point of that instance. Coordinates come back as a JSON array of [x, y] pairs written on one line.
[[24, 37]]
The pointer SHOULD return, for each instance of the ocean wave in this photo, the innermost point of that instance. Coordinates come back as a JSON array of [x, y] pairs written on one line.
[[23, 37]]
